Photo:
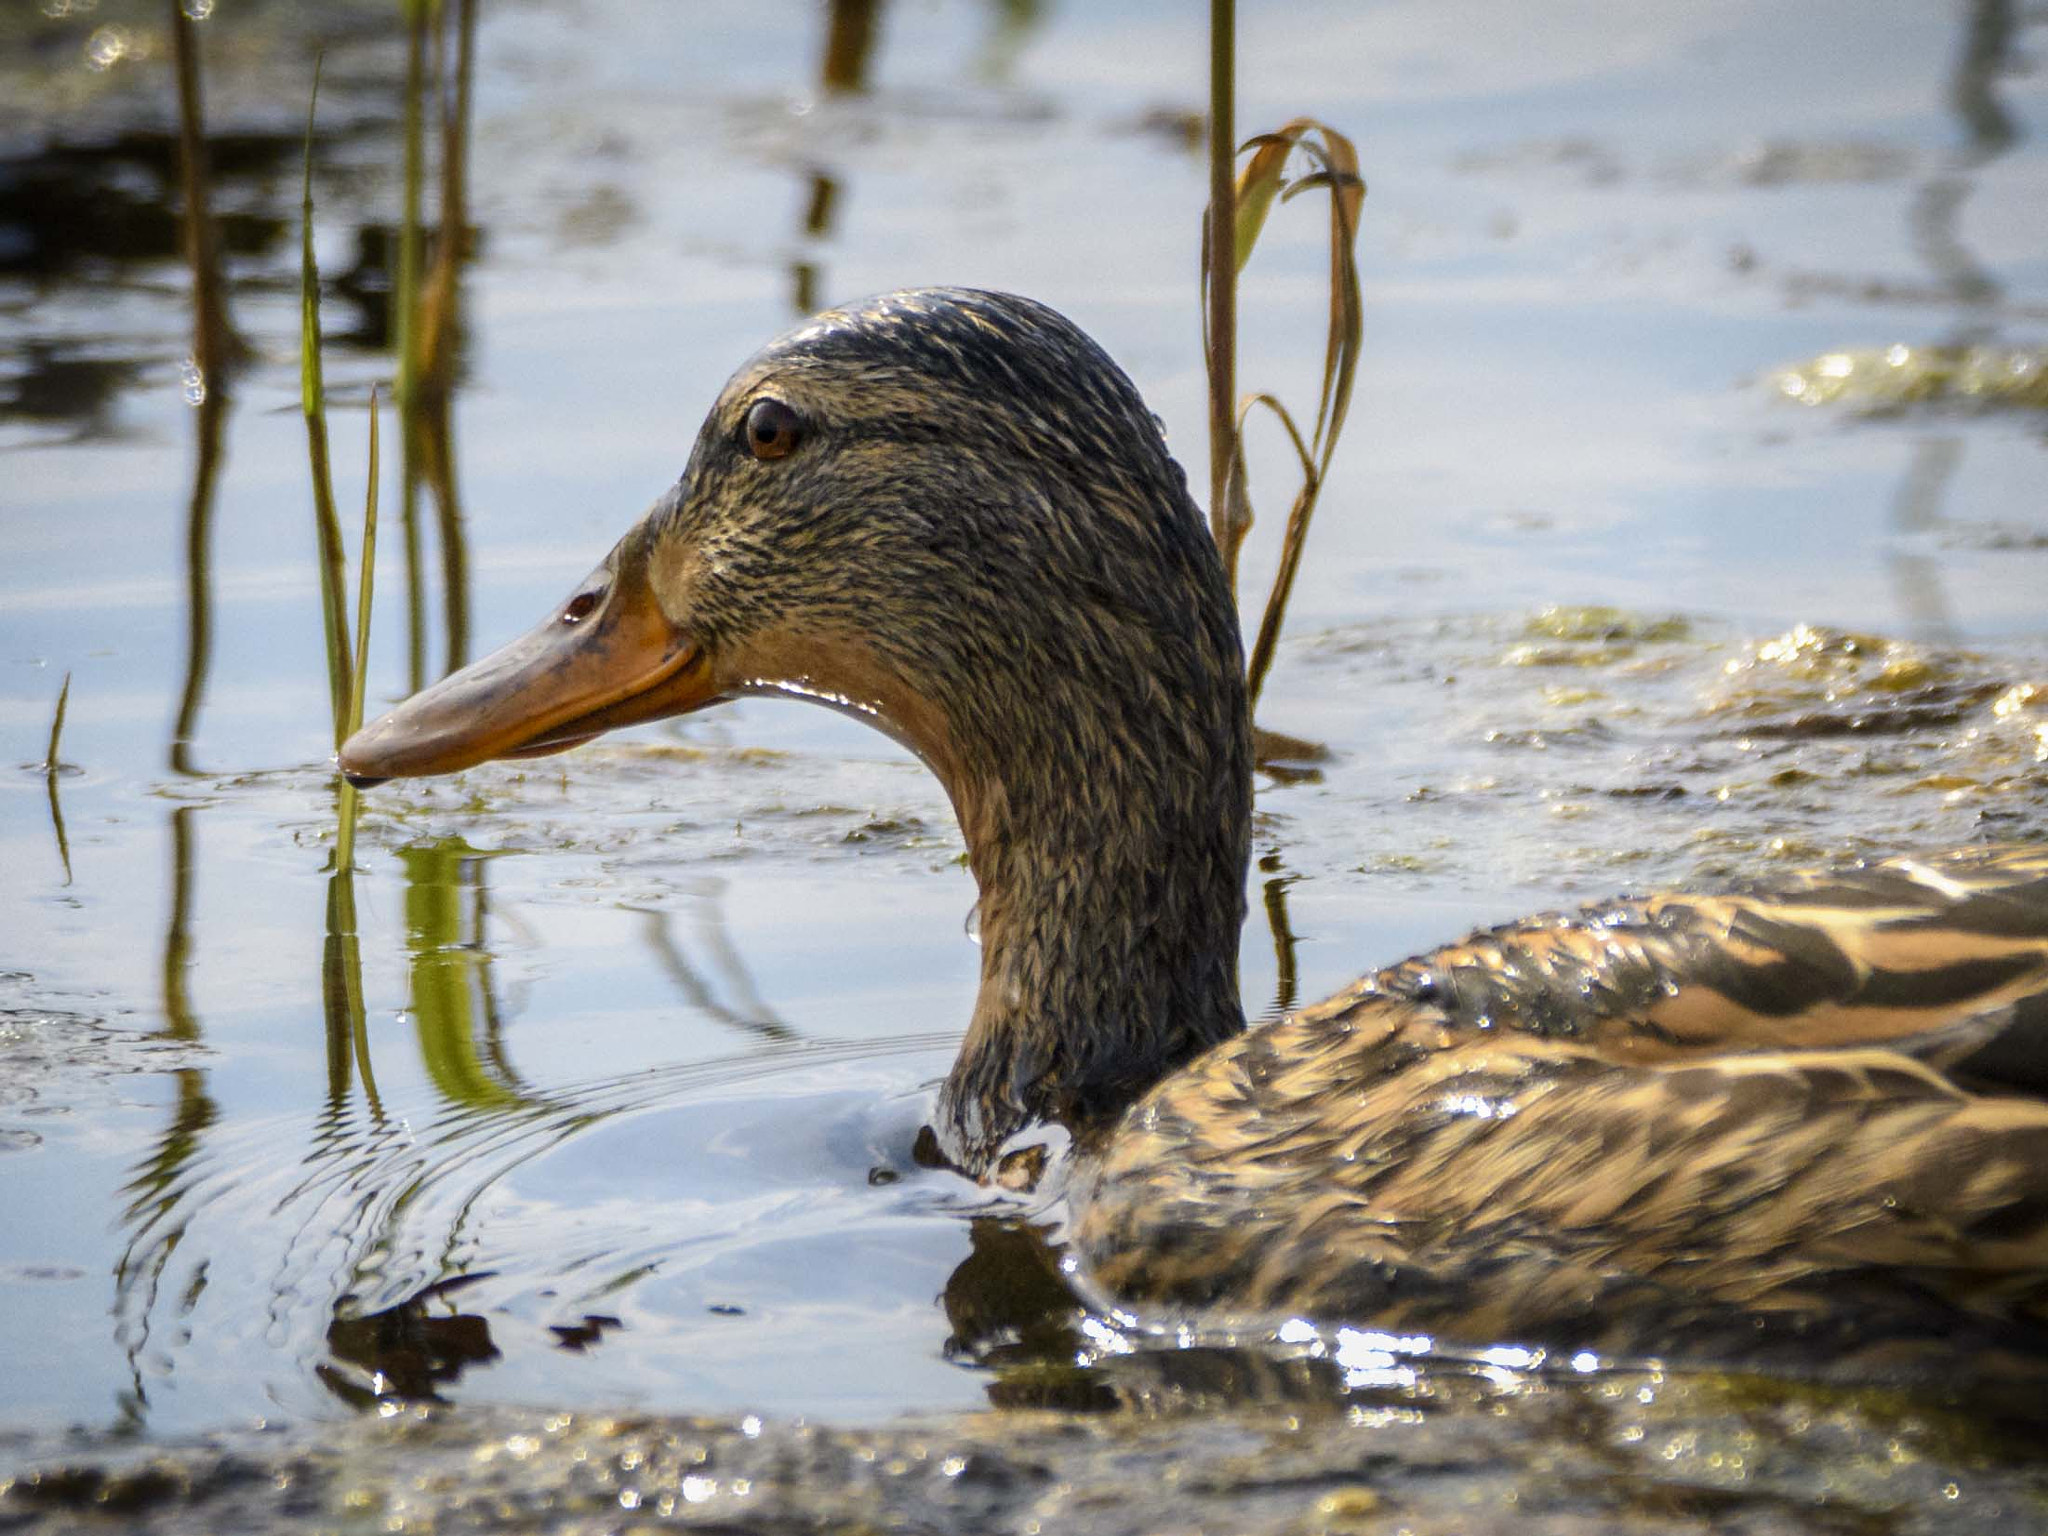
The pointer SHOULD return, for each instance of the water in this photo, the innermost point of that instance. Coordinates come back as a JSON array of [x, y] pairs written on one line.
[[648, 1028]]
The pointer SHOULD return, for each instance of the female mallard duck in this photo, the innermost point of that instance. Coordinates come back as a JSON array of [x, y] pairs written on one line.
[[1693, 1124]]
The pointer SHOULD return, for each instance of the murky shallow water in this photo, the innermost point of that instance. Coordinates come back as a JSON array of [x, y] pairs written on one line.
[[648, 1028]]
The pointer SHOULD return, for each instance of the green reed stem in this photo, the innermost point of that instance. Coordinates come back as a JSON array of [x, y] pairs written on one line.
[[50, 759], [51, 764], [345, 840], [312, 400], [366, 581]]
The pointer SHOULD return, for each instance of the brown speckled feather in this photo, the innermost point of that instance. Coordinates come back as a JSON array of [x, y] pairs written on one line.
[[1671, 1125]]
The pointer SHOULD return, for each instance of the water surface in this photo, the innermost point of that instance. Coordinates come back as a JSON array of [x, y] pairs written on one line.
[[648, 1029]]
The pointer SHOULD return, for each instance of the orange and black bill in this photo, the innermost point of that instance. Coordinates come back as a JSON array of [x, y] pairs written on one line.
[[610, 657]]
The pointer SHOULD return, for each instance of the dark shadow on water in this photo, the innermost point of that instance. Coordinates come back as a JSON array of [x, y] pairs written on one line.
[[56, 384], [409, 1350], [89, 211]]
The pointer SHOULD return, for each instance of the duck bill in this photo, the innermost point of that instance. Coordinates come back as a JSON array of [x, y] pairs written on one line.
[[609, 658]]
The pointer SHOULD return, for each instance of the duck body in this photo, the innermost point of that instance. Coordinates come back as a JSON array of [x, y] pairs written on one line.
[[1810, 1110], [1800, 1119]]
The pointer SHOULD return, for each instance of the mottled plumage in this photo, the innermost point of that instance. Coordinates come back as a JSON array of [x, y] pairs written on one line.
[[1798, 1114], [1801, 1113]]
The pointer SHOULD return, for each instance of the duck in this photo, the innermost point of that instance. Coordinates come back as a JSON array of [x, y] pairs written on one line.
[[1808, 1113]]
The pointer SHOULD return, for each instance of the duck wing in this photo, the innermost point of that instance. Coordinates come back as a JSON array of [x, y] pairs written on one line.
[[1796, 1121], [1944, 958]]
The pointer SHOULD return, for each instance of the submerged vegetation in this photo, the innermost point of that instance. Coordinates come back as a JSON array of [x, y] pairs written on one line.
[[1878, 380]]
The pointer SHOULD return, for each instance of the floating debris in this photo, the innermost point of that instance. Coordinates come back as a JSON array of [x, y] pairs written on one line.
[[1880, 380]]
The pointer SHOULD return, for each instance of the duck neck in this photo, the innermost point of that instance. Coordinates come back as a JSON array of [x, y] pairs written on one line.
[[1109, 837]]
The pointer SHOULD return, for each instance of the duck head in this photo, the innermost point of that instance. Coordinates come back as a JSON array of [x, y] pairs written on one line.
[[950, 513]]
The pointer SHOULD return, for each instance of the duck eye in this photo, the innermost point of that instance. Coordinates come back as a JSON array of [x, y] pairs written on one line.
[[772, 429], [579, 607]]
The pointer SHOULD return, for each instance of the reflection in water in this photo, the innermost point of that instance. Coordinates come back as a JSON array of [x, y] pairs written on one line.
[[752, 1013], [215, 345], [1988, 133], [216, 352], [1916, 508], [75, 210], [818, 212], [361, 1241], [55, 385], [157, 1213], [180, 1023], [209, 419], [53, 770], [341, 992], [1286, 984], [850, 27], [1013, 23], [1010, 1311], [849, 43], [430, 329], [158, 1207], [406, 1350], [454, 1010], [1934, 217]]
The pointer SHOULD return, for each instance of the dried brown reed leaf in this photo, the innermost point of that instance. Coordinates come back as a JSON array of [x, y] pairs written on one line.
[[1262, 182]]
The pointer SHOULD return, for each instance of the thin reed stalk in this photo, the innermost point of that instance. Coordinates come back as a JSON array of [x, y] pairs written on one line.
[[345, 839], [312, 400], [51, 762], [1236, 214], [52, 766]]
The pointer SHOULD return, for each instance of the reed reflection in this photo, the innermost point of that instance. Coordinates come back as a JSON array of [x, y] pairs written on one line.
[[54, 768], [430, 330], [158, 1211], [850, 27], [209, 422], [341, 993], [819, 204], [1012, 23], [749, 1012], [455, 1012], [218, 351], [1287, 978], [158, 1206], [1934, 216], [403, 1201]]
